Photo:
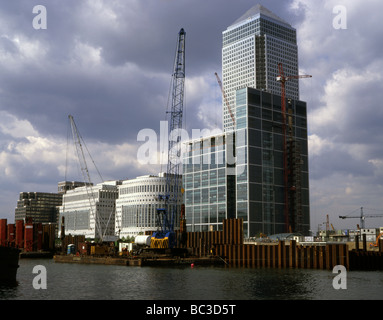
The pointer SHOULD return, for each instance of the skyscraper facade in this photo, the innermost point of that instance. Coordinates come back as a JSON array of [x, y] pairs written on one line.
[[240, 173], [251, 50], [263, 199], [257, 169]]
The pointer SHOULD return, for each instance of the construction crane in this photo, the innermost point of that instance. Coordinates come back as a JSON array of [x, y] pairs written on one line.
[[283, 79], [167, 216], [362, 217], [78, 141], [225, 98]]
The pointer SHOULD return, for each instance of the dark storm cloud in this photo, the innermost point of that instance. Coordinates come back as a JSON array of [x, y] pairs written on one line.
[[109, 64], [128, 88]]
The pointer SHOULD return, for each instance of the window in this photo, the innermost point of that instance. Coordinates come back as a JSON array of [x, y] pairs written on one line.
[[242, 192]]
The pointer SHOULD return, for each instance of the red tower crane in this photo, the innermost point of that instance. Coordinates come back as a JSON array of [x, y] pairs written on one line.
[[225, 98], [282, 79]]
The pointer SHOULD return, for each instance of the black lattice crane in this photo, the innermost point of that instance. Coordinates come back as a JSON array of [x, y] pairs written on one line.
[[167, 216], [362, 217]]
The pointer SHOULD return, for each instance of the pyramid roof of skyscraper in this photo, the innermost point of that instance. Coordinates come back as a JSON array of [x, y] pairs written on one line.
[[258, 10]]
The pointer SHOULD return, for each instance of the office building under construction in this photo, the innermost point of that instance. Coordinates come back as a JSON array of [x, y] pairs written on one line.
[[258, 169]]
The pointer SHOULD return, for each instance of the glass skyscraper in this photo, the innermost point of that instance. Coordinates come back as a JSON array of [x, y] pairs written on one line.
[[260, 187], [242, 172], [251, 50]]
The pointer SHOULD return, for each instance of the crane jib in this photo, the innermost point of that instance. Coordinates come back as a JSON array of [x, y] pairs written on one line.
[[168, 215]]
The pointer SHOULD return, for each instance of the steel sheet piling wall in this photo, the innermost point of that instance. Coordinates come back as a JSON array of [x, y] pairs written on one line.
[[228, 244], [19, 234], [28, 237], [3, 232], [39, 237], [48, 237], [11, 234]]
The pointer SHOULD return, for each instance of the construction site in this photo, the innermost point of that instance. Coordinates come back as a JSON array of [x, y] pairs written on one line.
[[251, 219]]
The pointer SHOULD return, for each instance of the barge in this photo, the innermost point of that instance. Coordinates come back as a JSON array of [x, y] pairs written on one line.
[[9, 263], [139, 261]]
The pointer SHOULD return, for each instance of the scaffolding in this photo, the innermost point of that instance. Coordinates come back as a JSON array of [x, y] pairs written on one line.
[[294, 176]]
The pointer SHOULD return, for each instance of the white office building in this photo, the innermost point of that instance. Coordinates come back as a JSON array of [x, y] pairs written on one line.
[[137, 204], [90, 211], [251, 50]]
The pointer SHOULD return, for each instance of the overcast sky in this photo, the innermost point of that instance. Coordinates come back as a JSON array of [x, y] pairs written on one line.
[[109, 64]]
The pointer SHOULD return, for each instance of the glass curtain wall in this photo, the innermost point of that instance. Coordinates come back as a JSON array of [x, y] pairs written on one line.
[[260, 174], [205, 184]]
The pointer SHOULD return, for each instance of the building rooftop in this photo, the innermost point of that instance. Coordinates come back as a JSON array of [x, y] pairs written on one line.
[[255, 11]]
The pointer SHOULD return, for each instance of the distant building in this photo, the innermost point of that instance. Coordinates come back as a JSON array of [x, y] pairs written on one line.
[[90, 211], [252, 47], [40, 206], [64, 186], [137, 204]]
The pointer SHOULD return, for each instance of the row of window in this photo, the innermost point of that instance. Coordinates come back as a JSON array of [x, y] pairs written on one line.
[[150, 188], [207, 214], [140, 215], [278, 31], [259, 26], [205, 195], [76, 220], [245, 30], [204, 179]]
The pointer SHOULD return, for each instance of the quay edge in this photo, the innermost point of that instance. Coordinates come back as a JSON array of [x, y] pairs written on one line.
[[206, 261]]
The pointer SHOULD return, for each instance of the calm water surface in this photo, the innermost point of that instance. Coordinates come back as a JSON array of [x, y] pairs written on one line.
[[99, 282]]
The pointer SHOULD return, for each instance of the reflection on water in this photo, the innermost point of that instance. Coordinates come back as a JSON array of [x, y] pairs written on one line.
[[75, 282]]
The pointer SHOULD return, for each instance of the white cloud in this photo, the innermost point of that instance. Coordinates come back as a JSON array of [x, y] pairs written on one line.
[[110, 63], [203, 94], [86, 55], [14, 127], [317, 145]]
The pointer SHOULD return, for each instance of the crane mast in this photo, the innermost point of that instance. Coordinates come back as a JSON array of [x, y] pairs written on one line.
[[86, 176], [167, 216], [283, 79]]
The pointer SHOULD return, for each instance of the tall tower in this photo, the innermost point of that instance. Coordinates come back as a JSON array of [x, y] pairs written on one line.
[[241, 173], [251, 50]]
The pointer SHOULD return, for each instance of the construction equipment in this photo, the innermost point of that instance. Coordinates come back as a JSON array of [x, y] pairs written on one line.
[[376, 244], [362, 217], [225, 98], [283, 79], [168, 215], [78, 141]]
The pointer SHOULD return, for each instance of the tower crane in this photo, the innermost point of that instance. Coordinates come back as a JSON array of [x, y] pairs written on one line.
[[225, 98], [283, 79], [167, 216], [362, 217]]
